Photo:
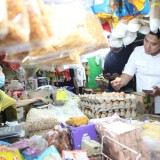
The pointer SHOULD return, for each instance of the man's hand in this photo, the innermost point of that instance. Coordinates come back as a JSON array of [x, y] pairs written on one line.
[[116, 84], [155, 91]]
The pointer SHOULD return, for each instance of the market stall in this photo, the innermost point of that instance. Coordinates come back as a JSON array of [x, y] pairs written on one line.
[[54, 104]]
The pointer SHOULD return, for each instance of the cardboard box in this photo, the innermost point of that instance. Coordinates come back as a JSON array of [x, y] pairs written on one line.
[[82, 132], [144, 103]]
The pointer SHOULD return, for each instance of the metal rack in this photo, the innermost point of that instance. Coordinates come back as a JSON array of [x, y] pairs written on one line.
[[120, 144]]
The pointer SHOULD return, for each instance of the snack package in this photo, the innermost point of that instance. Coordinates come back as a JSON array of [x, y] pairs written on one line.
[[75, 155], [103, 9], [3, 20], [50, 153], [8, 153], [77, 121]]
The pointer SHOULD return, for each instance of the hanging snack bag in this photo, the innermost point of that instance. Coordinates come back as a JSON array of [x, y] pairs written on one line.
[[72, 30]]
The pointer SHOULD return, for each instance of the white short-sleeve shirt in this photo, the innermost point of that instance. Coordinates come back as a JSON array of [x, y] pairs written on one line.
[[145, 67], [80, 75]]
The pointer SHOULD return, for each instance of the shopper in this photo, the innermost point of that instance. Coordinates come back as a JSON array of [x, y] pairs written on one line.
[[70, 81], [114, 63], [80, 77], [144, 62]]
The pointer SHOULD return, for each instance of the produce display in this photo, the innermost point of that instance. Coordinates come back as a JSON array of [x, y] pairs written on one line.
[[125, 134], [106, 104]]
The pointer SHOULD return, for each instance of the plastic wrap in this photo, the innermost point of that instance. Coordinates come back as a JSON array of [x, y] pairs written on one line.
[[59, 138], [36, 145], [3, 20], [125, 134]]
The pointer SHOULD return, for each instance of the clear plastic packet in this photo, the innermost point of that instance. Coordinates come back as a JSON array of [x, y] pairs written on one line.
[[20, 145], [75, 155], [71, 31], [96, 31], [3, 20]]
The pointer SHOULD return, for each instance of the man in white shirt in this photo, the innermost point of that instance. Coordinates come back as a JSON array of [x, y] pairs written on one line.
[[144, 62], [80, 77]]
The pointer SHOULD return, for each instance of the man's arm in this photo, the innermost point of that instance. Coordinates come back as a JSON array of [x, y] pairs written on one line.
[[121, 81]]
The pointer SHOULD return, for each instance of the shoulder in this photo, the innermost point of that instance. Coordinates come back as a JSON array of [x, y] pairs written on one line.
[[138, 51]]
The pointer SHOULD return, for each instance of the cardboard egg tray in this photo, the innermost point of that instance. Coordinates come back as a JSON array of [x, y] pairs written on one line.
[[106, 104]]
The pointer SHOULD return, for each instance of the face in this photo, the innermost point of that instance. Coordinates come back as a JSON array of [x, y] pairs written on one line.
[[151, 45]]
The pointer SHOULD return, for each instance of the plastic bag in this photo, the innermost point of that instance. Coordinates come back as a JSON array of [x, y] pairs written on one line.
[[144, 29], [155, 15], [133, 25], [36, 145], [59, 138], [73, 33], [40, 119], [3, 20], [130, 37], [69, 29], [50, 153], [75, 155]]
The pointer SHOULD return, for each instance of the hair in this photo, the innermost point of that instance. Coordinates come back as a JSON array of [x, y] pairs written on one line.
[[156, 34]]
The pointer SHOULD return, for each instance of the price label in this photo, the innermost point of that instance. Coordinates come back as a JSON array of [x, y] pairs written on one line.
[[61, 95]]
